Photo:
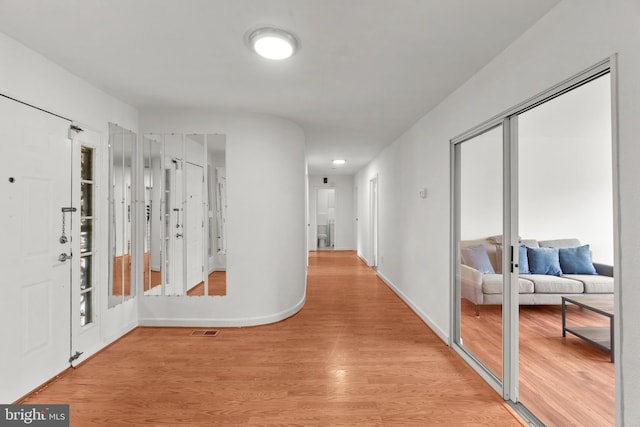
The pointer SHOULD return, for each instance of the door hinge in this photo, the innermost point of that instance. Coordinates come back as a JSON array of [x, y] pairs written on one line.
[[73, 130], [75, 356]]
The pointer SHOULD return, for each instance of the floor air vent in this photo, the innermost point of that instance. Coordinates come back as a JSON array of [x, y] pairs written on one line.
[[205, 333]]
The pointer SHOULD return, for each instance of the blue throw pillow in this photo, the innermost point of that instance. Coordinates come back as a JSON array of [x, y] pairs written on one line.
[[576, 260], [523, 263], [477, 257], [544, 261], [523, 260]]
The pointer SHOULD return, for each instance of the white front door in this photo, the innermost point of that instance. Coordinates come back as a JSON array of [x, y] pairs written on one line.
[[194, 225], [35, 184]]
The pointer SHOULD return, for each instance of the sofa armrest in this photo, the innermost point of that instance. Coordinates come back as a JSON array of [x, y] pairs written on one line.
[[471, 284], [603, 269]]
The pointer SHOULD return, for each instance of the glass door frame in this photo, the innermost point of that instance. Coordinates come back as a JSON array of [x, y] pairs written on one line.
[[508, 387], [505, 387]]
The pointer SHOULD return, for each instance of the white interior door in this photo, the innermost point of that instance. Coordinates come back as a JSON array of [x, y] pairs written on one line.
[[35, 156], [194, 225]]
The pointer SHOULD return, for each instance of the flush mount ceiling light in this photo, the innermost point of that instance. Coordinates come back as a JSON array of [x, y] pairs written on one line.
[[273, 43], [339, 161]]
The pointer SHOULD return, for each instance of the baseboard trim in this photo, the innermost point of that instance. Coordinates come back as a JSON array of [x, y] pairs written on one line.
[[422, 315], [366, 261], [233, 322], [121, 333]]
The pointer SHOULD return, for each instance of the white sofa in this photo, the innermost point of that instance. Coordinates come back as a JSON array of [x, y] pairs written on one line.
[[486, 288]]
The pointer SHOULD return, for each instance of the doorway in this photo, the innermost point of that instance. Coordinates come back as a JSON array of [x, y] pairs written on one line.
[[325, 219], [518, 180]]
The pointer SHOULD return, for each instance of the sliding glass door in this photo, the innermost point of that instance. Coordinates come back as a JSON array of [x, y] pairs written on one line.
[[479, 240], [534, 180], [566, 210]]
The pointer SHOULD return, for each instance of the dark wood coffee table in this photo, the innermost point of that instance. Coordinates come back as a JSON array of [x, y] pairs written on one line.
[[599, 336]]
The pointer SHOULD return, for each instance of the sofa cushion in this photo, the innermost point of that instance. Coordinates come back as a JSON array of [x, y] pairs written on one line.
[[576, 260], [544, 261], [498, 267], [593, 284], [492, 284], [559, 243], [530, 243], [476, 257], [546, 284]]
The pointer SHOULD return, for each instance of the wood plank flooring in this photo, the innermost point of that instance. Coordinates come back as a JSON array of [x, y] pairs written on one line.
[[217, 285], [355, 355], [564, 381]]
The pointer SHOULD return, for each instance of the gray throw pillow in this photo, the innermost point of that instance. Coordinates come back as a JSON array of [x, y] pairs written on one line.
[[477, 257]]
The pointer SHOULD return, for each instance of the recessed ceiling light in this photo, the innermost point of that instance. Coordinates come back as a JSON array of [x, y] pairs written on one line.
[[339, 161], [273, 43]]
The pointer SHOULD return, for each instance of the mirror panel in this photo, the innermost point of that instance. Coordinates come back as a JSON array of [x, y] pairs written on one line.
[[185, 220], [121, 156], [174, 214], [152, 177], [129, 140], [194, 213], [217, 214]]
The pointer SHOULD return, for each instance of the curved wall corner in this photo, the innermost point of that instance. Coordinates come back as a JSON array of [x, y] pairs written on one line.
[[266, 259]]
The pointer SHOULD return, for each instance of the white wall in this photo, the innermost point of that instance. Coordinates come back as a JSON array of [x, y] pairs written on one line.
[[565, 173], [29, 77], [481, 186], [414, 232], [266, 257], [345, 228], [565, 170]]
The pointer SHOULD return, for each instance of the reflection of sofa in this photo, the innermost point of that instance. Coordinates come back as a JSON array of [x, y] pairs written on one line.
[[481, 278]]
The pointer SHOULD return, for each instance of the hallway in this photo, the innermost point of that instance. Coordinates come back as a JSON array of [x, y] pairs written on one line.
[[355, 355]]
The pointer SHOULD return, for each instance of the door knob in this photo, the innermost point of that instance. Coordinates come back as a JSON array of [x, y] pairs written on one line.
[[63, 257]]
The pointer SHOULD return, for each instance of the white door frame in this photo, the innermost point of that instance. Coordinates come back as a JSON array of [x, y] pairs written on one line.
[[374, 219], [86, 340]]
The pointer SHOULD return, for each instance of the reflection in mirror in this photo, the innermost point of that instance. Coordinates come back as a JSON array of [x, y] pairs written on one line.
[[185, 200], [216, 215], [152, 176], [174, 184], [121, 149]]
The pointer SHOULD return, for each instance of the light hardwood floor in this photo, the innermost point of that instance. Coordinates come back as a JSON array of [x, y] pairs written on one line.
[[355, 355], [564, 381], [217, 285]]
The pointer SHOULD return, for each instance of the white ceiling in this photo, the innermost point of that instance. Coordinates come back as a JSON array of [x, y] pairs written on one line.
[[367, 70]]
